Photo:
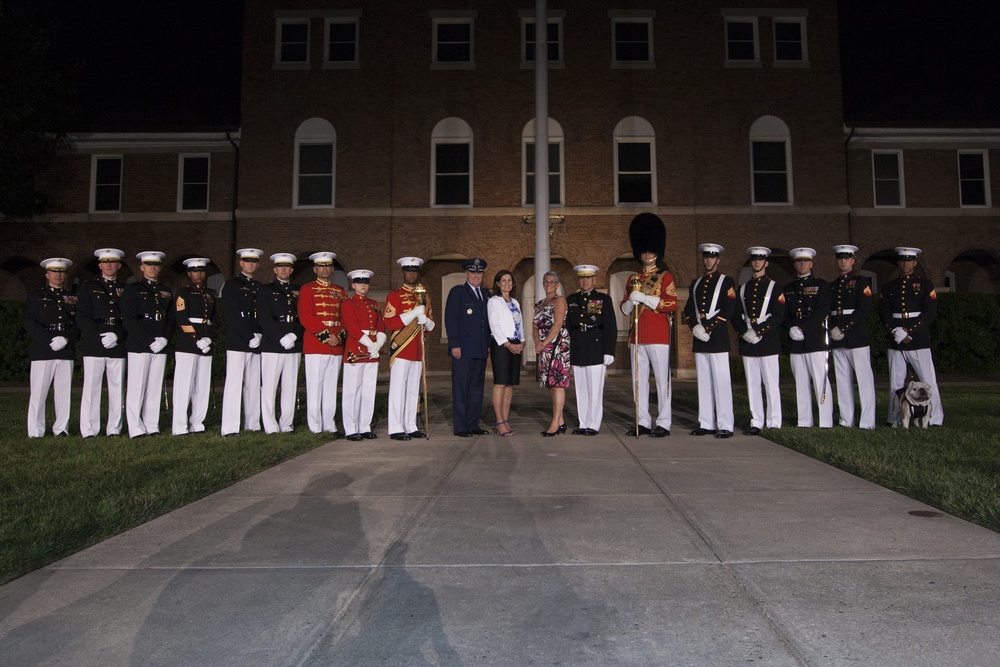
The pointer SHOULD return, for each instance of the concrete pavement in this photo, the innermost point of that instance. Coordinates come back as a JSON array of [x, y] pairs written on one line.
[[571, 550]]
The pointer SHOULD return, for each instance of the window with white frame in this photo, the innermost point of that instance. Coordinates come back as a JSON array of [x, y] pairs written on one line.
[[106, 183], [451, 163], [341, 46], [292, 41], [631, 40], [556, 192], [453, 40], [887, 172], [790, 40], [770, 160], [553, 39], [315, 164], [192, 182], [635, 162], [974, 178], [741, 39]]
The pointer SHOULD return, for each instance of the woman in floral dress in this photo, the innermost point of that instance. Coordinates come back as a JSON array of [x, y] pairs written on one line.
[[552, 345]]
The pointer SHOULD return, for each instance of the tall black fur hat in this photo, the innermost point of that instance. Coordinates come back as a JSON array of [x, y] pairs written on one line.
[[647, 234]]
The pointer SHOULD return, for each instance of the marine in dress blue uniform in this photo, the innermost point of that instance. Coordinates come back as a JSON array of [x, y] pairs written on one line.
[[593, 332], [281, 345], [243, 336], [468, 332], [49, 319], [850, 304], [100, 320], [197, 326]]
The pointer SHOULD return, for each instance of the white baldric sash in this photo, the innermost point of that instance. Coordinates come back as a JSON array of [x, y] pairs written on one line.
[[764, 315], [713, 311]]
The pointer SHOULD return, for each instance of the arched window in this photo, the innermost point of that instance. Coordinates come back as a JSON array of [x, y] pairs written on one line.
[[315, 162], [770, 161], [635, 162], [557, 192], [451, 163]]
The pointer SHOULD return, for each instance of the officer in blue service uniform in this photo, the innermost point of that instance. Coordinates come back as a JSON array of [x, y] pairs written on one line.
[[468, 344], [850, 304]]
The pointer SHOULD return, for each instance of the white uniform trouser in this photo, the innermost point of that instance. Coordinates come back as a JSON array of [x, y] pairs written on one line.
[[763, 370], [715, 391], [404, 395], [359, 397], [849, 362], [192, 385], [589, 383], [659, 357], [923, 366], [809, 370], [242, 386], [322, 372], [43, 373], [275, 367], [94, 371], [143, 392]]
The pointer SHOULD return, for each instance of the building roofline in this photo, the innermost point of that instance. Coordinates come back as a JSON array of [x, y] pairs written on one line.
[[137, 140], [921, 135]]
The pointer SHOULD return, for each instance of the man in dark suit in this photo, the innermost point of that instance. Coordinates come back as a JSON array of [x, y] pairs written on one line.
[[850, 303], [468, 343], [593, 331]]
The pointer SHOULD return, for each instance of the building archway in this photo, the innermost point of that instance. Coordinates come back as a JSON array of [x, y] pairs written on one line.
[[976, 271]]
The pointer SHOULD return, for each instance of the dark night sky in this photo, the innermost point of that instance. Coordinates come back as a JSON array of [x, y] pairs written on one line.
[[147, 65]]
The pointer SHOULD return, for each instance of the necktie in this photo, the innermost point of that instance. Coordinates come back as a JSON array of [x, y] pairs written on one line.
[[479, 295]]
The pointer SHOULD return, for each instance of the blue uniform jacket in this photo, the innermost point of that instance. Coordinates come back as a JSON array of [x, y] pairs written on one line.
[[466, 323]]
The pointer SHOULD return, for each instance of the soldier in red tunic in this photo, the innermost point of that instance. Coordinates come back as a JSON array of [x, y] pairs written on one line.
[[322, 343], [407, 316], [362, 319]]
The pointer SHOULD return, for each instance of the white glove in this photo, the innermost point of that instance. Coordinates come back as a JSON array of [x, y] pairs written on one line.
[[628, 306], [58, 343], [204, 344], [900, 334], [380, 339], [699, 332], [410, 315], [429, 325], [421, 319], [288, 341], [367, 342], [255, 341], [651, 301], [751, 336], [158, 344], [608, 360], [109, 339], [836, 333], [636, 296], [795, 333]]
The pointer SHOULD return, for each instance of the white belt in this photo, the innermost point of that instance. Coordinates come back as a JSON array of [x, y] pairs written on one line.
[[197, 320], [903, 316], [845, 311]]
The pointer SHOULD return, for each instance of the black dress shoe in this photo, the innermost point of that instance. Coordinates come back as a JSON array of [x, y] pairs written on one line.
[[479, 431], [579, 431], [703, 431], [88, 437], [643, 430], [399, 436], [660, 432], [355, 437], [753, 430], [589, 431], [417, 434], [463, 434], [724, 434], [62, 434], [369, 435]]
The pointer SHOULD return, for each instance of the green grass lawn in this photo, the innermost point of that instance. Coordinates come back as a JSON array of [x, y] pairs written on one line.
[[955, 468]]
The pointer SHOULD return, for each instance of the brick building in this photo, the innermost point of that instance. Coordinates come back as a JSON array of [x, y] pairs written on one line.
[[382, 129]]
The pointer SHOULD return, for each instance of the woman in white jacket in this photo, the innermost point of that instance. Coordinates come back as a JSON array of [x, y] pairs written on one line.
[[506, 345]]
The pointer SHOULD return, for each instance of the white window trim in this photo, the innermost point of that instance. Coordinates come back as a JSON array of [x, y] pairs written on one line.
[[524, 171], [93, 181], [985, 157], [801, 20], [756, 41], [181, 182], [551, 18], [280, 21], [902, 180], [342, 64], [439, 142], [788, 172], [651, 141], [632, 64], [453, 18]]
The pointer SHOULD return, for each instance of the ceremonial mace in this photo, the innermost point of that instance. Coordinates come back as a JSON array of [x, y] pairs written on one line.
[[636, 285], [420, 292]]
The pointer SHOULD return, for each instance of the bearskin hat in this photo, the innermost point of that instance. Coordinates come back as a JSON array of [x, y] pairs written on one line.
[[647, 234]]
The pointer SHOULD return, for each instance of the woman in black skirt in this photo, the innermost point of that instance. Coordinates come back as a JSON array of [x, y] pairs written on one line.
[[507, 329]]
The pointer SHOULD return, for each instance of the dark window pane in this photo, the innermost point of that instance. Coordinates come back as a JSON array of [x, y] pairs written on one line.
[[108, 171], [973, 193], [740, 41], [635, 188], [107, 197], [739, 32], [196, 170], [452, 158], [788, 32], [770, 188], [342, 53], [633, 157], [886, 166], [631, 32], [887, 193], [195, 197], [316, 159], [342, 32], [555, 185], [553, 156], [315, 190], [788, 51], [529, 158], [741, 51], [768, 156], [294, 32], [971, 166], [452, 190], [454, 32], [293, 53], [454, 53], [627, 52]]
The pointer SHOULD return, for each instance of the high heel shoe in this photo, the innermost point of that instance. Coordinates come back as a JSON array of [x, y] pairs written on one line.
[[509, 431], [562, 428], [550, 434]]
